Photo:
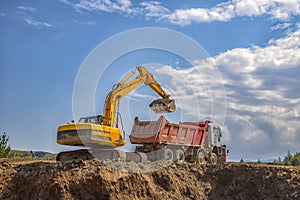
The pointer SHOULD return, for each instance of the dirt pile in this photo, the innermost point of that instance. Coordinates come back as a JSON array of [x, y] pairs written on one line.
[[253, 181], [95, 180]]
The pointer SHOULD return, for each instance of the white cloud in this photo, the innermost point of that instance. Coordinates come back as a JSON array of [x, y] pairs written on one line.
[[262, 90], [221, 12], [276, 9], [280, 53], [281, 10], [280, 26], [36, 23], [2, 14], [85, 22], [251, 7], [135, 96], [154, 9], [30, 20], [197, 91], [101, 5], [285, 9], [263, 96], [26, 8]]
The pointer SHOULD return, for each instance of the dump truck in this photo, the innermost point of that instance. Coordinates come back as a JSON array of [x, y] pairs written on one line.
[[187, 141]]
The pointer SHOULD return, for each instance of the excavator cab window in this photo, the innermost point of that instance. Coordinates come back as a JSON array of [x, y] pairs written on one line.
[[83, 120], [93, 119]]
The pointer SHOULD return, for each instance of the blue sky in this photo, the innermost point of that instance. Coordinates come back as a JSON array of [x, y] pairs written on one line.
[[254, 44]]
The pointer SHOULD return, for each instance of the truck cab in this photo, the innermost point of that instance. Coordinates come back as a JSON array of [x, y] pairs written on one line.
[[212, 143]]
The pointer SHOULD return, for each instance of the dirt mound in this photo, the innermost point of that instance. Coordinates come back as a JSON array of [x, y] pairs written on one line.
[[95, 180], [253, 181]]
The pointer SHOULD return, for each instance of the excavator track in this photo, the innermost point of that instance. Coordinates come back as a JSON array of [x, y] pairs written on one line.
[[101, 154], [82, 154]]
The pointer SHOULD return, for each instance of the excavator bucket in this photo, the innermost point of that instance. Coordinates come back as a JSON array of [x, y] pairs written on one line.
[[163, 105]]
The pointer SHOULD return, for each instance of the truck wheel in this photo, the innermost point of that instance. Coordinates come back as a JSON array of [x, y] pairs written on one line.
[[119, 155], [168, 155], [200, 158], [179, 156], [143, 156], [213, 159]]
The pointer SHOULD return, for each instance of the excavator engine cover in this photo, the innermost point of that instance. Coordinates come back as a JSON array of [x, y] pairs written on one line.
[[163, 105]]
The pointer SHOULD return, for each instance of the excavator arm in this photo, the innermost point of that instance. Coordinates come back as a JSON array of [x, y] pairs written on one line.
[[124, 87], [151, 82]]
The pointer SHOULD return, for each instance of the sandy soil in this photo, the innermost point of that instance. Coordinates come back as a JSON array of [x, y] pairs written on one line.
[[92, 179]]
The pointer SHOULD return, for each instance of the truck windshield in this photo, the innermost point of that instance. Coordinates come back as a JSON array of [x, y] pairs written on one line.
[[217, 133]]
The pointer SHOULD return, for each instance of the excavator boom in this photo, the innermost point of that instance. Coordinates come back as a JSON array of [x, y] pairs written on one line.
[[124, 87]]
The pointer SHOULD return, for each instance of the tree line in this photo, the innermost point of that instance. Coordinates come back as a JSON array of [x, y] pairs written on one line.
[[7, 152], [288, 160]]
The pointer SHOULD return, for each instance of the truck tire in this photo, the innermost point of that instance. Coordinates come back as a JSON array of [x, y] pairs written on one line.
[[213, 159], [179, 155], [200, 158], [168, 155], [143, 157], [119, 155]]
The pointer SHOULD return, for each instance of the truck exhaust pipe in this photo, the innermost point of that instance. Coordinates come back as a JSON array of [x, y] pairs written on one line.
[[163, 105]]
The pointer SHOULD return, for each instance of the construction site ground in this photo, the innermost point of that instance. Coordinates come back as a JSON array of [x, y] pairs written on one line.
[[93, 179]]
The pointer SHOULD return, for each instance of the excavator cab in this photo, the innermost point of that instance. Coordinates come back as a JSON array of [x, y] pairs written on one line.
[[163, 106]]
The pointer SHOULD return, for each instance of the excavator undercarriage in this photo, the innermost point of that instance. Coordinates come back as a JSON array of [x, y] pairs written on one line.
[[88, 154], [102, 155]]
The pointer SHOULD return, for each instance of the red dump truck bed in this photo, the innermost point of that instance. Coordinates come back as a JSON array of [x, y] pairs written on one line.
[[164, 132]]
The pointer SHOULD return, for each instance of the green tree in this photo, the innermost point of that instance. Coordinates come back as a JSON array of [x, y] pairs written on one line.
[[288, 158], [242, 160], [289, 155], [4, 146], [295, 161], [277, 162]]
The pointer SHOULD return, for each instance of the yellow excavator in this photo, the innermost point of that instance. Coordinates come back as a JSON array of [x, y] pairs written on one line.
[[101, 131]]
